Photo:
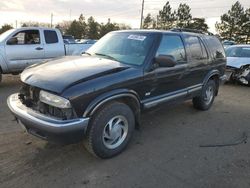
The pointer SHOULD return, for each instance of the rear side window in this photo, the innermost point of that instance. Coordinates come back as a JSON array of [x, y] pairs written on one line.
[[197, 48], [50, 37], [215, 47], [172, 45]]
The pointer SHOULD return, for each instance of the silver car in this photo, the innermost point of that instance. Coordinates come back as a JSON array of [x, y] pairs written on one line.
[[238, 64]]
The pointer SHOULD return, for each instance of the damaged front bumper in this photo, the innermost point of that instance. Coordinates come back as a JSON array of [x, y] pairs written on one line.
[[45, 127], [241, 75]]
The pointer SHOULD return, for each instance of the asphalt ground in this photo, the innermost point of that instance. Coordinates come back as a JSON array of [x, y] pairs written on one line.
[[165, 152]]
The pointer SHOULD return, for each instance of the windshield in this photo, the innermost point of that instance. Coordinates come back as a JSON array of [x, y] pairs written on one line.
[[238, 52], [5, 34], [129, 48]]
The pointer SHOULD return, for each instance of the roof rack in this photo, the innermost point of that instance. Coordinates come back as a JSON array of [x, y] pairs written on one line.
[[191, 31]]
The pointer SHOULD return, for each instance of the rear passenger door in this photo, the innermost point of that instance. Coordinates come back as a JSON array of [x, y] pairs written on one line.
[[52, 45], [197, 61]]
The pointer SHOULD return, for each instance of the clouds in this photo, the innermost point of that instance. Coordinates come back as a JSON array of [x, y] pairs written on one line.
[[127, 11]]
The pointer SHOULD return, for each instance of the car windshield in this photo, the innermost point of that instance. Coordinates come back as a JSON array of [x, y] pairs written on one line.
[[125, 47], [238, 52], [5, 34]]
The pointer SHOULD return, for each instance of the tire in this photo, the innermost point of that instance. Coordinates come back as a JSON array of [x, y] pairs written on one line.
[[102, 142], [205, 101]]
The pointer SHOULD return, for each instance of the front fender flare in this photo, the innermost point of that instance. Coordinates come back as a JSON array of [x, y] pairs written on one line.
[[106, 97]]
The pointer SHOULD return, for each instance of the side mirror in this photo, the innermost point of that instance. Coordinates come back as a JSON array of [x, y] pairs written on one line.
[[12, 41], [165, 61]]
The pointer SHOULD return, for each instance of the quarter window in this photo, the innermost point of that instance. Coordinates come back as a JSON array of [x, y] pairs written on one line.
[[50, 37], [172, 45]]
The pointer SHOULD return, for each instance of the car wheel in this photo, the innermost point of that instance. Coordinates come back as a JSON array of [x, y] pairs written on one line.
[[110, 130], [205, 101]]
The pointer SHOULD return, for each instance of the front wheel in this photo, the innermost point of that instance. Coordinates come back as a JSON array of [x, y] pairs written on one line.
[[110, 130], [205, 101]]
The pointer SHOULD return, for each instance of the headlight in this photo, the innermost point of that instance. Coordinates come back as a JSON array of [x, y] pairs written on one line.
[[54, 100]]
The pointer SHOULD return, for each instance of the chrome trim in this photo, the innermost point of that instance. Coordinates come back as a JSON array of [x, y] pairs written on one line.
[[164, 99], [37, 120], [173, 95]]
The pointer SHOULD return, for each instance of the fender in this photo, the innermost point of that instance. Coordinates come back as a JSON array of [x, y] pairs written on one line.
[[210, 74], [106, 97]]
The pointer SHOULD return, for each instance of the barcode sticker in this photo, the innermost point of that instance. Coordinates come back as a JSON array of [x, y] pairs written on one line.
[[137, 37]]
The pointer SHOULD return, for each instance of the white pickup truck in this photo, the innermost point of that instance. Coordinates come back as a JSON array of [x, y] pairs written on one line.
[[25, 46]]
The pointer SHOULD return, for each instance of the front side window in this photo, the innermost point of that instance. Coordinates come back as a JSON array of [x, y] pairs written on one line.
[[25, 37], [172, 45], [125, 47], [50, 37]]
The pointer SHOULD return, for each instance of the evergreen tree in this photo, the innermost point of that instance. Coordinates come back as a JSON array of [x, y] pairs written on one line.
[[148, 22], [77, 28], [165, 18], [93, 29], [183, 16], [5, 27], [198, 23], [231, 23]]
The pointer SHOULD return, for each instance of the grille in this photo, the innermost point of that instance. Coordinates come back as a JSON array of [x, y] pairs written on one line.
[[29, 96]]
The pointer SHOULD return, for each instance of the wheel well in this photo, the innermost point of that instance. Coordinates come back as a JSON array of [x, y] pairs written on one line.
[[130, 101], [217, 82]]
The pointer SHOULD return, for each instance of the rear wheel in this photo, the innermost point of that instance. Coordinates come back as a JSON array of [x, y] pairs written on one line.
[[205, 101], [110, 130]]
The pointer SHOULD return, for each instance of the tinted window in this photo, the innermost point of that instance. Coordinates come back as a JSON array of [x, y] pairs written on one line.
[[25, 37], [203, 50], [215, 47], [172, 45], [50, 37], [195, 48]]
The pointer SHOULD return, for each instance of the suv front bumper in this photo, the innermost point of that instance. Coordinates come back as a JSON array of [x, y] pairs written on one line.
[[45, 127]]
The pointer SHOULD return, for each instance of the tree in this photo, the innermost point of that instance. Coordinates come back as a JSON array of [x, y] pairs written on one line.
[[148, 22], [183, 15], [165, 18], [93, 29], [198, 23], [108, 27], [5, 27], [78, 28], [35, 24], [63, 26], [246, 26], [230, 27]]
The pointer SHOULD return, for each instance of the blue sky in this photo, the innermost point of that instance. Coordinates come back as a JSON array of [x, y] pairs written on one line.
[[118, 10]]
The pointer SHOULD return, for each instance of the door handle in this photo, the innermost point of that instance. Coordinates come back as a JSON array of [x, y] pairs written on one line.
[[39, 48]]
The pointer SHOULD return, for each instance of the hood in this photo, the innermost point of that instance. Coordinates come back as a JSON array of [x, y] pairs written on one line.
[[62, 73], [237, 62]]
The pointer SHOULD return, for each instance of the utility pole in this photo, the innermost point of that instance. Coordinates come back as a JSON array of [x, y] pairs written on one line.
[[51, 20], [142, 9]]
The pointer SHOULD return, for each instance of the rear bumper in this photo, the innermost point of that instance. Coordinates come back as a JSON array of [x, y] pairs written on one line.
[[45, 127]]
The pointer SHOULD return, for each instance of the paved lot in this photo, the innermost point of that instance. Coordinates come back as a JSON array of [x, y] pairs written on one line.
[[164, 153]]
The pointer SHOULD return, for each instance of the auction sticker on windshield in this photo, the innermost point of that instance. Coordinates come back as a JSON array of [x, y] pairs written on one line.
[[137, 37]]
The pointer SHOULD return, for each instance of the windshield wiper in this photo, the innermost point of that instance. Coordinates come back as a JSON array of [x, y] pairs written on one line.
[[105, 55], [87, 53]]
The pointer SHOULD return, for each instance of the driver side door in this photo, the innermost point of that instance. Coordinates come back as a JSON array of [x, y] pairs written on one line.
[[25, 50], [165, 84]]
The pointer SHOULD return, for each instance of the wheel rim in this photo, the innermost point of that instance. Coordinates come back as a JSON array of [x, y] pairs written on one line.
[[209, 94], [115, 132]]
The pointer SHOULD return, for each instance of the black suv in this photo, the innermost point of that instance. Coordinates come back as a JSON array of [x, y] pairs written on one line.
[[99, 96]]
